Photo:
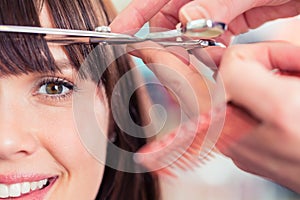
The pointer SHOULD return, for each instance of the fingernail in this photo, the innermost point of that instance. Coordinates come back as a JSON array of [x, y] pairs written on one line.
[[192, 12]]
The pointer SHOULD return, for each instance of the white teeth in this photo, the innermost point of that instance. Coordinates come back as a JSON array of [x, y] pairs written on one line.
[[16, 189], [33, 185], [25, 187], [40, 184], [44, 181], [3, 191]]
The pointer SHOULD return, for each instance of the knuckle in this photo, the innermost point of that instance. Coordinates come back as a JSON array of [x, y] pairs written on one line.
[[287, 111], [236, 52], [227, 6]]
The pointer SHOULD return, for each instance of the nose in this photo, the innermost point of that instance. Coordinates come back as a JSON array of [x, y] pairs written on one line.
[[16, 139]]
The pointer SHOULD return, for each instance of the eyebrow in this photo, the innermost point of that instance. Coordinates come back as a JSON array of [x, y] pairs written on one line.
[[63, 67], [66, 67], [64, 64]]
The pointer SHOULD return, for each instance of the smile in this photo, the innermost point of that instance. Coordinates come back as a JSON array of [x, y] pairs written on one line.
[[26, 188]]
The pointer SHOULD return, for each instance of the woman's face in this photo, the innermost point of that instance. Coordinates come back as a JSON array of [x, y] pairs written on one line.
[[39, 142]]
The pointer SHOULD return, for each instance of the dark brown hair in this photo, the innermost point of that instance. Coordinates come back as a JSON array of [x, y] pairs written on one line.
[[30, 53]]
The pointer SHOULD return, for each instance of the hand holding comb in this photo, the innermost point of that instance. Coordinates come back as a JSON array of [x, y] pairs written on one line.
[[188, 147]]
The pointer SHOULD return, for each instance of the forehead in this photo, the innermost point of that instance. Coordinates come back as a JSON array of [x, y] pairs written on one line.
[[58, 53], [45, 18]]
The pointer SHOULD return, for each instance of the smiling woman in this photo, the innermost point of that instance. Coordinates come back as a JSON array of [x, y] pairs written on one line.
[[41, 154]]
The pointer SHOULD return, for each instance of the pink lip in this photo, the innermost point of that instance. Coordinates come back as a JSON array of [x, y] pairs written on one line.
[[34, 195], [18, 178]]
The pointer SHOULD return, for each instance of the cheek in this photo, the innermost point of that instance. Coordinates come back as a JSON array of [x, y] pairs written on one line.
[[64, 137], [80, 131], [76, 140]]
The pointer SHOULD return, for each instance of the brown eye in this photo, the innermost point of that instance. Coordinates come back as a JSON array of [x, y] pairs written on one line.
[[53, 88]]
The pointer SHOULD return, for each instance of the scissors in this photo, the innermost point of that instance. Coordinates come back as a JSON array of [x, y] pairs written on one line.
[[197, 33]]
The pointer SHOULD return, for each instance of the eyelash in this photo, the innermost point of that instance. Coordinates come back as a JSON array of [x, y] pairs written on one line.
[[57, 81]]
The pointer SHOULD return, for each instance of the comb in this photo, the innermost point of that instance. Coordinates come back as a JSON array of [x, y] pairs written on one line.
[[191, 145]]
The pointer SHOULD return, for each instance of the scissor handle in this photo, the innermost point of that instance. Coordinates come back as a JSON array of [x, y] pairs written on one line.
[[204, 28]]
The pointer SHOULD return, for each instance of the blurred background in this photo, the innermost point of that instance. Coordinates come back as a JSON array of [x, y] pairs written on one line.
[[219, 179]]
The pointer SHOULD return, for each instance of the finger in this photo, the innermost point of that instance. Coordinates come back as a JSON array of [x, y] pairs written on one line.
[[238, 124], [221, 10], [273, 55], [255, 141], [189, 87], [167, 17], [250, 151], [136, 14], [215, 53], [249, 20], [227, 10], [249, 82]]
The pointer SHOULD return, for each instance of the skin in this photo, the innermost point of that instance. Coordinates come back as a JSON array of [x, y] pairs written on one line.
[[240, 17], [271, 98], [39, 136], [275, 140], [39, 132]]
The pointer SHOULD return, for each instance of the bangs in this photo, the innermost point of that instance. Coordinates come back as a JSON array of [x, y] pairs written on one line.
[[29, 53], [72, 15], [23, 53]]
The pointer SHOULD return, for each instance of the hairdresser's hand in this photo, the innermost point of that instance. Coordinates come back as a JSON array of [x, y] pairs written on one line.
[[239, 15], [271, 149], [162, 13], [180, 73]]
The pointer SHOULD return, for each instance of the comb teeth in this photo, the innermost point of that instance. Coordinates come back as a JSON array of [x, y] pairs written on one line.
[[189, 146], [180, 149]]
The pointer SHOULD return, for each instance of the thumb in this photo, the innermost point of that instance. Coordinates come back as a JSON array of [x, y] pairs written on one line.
[[218, 10], [136, 14]]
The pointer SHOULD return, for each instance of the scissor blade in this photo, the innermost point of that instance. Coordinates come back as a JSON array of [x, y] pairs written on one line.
[[163, 35], [69, 36]]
